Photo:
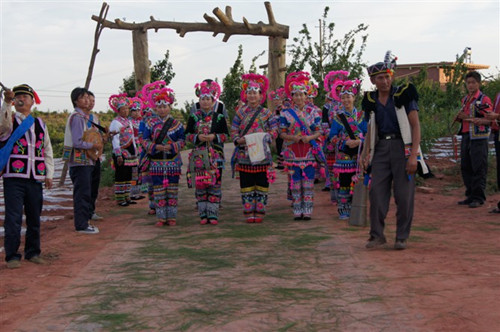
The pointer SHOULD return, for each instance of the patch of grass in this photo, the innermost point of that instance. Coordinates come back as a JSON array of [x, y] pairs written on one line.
[[416, 238], [425, 228], [372, 299], [240, 232], [201, 312], [353, 229], [111, 321], [284, 293], [287, 327], [303, 240], [185, 326]]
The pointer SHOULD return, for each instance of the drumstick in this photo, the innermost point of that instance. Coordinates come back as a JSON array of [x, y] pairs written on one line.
[[3, 86]]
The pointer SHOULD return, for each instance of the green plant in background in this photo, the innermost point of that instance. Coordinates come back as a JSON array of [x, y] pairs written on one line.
[[231, 84], [162, 70], [330, 53]]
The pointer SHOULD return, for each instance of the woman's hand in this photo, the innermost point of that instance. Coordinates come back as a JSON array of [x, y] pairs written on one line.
[[352, 143], [241, 141], [163, 148], [119, 160]]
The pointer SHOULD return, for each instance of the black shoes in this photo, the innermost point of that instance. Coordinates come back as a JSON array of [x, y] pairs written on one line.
[[466, 201], [475, 204], [472, 203], [375, 242], [400, 244]]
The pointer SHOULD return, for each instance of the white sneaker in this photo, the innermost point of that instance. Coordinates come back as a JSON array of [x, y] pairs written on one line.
[[89, 230], [95, 216]]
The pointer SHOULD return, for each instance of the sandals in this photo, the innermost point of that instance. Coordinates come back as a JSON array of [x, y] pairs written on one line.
[[151, 212], [495, 210]]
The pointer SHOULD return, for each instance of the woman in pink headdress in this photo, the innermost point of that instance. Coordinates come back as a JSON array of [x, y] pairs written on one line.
[[347, 134], [252, 130], [327, 115], [148, 113], [163, 140], [135, 117], [300, 126], [207, 130], [124, 148]]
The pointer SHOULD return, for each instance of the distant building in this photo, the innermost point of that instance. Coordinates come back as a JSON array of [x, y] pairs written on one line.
[[435, 70]]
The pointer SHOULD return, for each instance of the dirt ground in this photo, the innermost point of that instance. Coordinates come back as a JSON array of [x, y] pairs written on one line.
[[447, 280]]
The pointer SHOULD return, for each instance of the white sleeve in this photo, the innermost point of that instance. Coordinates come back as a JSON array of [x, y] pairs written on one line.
[[5, 120], [115, 126], [48, 155]]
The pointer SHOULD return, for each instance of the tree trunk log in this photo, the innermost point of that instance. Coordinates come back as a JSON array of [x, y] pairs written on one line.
[[141, 58], [276, 63]]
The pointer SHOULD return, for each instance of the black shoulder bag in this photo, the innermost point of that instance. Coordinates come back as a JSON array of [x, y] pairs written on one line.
[[350, 151]]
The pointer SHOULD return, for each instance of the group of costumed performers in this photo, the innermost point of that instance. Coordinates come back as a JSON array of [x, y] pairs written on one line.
[[207, 131], [347, 133], [124, 148], [163, 139], [252, 130], [300, 127]]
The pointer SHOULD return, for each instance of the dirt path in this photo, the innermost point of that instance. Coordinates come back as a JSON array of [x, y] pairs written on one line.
[[282, 275]]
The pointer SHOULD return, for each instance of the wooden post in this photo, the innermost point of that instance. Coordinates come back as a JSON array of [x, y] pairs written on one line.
[[276, 63], [141, 58]]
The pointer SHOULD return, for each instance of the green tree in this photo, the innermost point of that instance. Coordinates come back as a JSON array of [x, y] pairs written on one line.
[[162, 70], [231, 84], [329, 53]]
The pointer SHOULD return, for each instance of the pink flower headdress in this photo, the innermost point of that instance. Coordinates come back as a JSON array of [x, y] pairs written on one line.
[[118, 101], [136, 103], [334, 76], [345, 87], [208, 89], [298, 82], [164, 96], [254, 82], [278, 94], [146, 92]]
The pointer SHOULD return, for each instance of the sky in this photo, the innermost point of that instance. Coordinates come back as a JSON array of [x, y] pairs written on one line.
[[48, 44]]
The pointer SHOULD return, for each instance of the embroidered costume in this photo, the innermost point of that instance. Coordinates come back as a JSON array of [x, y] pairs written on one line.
[[164, 167], [474, 147], [136, 105], [300, 157], [327, 117], [81, 167], [124, 147], [206, 160], [346, 162], [26, 158], [254, 177], [144, 160]]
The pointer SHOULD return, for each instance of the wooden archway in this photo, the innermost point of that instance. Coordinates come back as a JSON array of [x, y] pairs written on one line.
[[222, 23]]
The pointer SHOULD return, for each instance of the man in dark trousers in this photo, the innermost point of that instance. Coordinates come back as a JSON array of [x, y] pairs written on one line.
[[475, 131], [27, 161], [80, 165], [391, 148]]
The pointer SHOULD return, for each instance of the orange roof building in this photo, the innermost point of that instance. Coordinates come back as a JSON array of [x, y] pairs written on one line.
[[435, 70]]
